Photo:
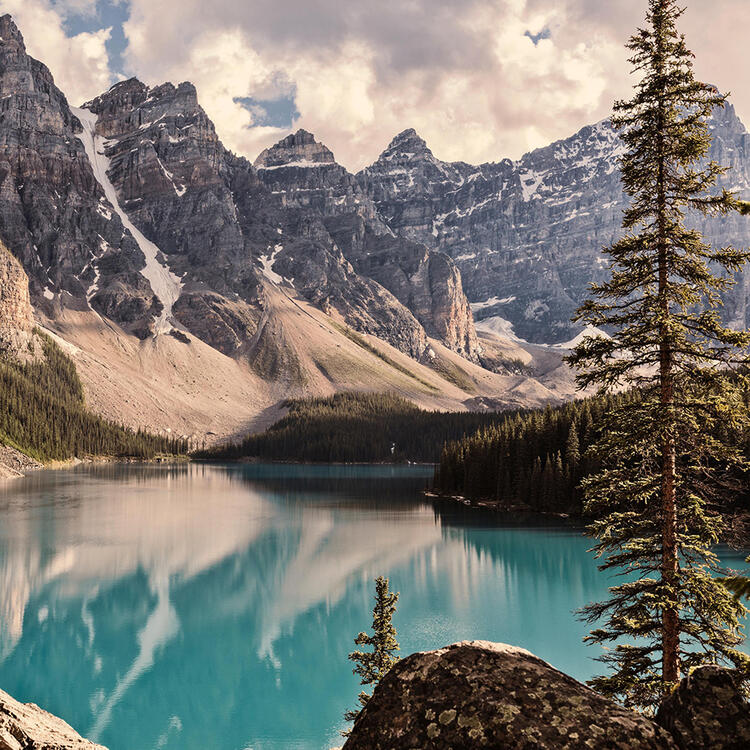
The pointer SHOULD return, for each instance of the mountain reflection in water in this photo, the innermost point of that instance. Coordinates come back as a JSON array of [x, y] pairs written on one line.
[[199, 606]]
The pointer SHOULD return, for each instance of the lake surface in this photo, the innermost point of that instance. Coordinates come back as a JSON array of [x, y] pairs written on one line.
[[209, 606]]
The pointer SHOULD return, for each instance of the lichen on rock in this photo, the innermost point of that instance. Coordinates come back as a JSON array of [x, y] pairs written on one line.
[[479, 694]]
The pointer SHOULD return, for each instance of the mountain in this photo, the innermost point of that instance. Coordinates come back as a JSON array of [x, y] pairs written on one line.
[[54, 215], [196, 292], [219, 227], [527, 235], [321, 196], [131, 206]]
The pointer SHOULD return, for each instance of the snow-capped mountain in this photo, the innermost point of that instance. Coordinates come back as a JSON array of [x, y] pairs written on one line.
[[527, 235], [291, 276], [130, 205]]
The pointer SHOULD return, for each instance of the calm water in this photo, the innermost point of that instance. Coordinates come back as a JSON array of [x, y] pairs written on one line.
[[213, 607]]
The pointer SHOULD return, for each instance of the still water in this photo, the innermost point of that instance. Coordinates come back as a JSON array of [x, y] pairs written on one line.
[[209, 606]]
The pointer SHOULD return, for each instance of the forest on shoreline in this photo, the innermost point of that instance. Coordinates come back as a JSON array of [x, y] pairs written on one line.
[[44, 415]]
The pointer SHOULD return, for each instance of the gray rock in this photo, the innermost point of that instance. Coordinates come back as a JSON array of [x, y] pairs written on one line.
[[16, 318], [322, 201], [24, 726], [527, 235], [707, 712], [480, 694], [53, 215]]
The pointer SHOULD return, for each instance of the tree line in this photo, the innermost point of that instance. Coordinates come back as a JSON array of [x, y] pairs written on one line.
[[537, 459], [44, 415], [356, 427]]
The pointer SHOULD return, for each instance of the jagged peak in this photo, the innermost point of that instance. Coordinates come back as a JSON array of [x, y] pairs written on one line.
[[296, 149], [9, 31], [132, 93], [127, 83], [406, 145]]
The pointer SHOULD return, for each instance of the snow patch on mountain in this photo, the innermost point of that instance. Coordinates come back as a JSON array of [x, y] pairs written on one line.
[[491, 302], [165, 284], [588, 332], [267, 262]]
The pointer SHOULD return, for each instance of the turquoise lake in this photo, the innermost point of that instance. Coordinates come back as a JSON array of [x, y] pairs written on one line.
[[211, 606]]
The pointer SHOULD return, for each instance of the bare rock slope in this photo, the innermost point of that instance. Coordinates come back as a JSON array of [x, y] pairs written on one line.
[[25, 726], [16, 317]]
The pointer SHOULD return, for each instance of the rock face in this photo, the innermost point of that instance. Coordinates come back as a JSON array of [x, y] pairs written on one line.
[[131, 205], [24, 726], [16, 321], [53, 214], [527, 235], [480, 694], [325, 203], [707, 712]]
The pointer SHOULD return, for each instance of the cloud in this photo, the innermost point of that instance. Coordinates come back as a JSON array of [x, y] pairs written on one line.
[[479, 79], [79, 63]]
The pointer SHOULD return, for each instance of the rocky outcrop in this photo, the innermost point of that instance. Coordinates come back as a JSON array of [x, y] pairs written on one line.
[[14, 464], [16, 319], [24, 726], [479, 694], [527, 235], [707, 712]]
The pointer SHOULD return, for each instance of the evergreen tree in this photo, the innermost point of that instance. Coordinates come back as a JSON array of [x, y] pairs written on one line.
[[665, 467], [373, 665]]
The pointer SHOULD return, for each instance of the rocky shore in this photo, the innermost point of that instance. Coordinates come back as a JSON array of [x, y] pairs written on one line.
[[478, 694], [14, 464], [25, 726]]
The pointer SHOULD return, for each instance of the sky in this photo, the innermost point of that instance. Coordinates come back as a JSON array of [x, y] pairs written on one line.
[[480, 80]]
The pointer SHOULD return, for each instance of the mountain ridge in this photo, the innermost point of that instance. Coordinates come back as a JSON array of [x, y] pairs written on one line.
[[132, 219]]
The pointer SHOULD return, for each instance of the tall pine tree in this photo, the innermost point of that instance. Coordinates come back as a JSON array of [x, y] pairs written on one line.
[[664, 470], [373, 665]]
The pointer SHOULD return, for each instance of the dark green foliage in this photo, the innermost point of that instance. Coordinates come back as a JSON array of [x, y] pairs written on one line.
[[356, 427], [667, 460], [531, 459], [42, 413], [373, 665]]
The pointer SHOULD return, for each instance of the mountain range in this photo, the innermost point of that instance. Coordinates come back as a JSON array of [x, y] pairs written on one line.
[[196, 290]]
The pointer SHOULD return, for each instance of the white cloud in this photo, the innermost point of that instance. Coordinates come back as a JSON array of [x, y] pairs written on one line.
[[464, 73], [79, 63]]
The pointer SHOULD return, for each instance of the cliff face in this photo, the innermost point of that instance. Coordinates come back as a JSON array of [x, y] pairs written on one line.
[[319, 194], [16, 321], [53, 214], [527, 235], [168, 172]]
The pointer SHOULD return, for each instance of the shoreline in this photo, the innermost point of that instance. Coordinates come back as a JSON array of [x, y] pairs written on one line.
[[15, 464], [497, 507]]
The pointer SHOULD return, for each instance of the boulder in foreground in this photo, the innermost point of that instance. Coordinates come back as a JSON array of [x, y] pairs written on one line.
[[479, 694], [707, 712], [24, 726]]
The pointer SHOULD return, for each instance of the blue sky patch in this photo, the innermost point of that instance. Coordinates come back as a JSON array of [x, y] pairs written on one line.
[[108, 13], [545, 33], [277, 113]]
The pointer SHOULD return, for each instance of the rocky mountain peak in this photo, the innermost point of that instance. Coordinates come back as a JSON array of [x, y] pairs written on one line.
[[298, 149], [407, 143], [9, 31], [132, 104]]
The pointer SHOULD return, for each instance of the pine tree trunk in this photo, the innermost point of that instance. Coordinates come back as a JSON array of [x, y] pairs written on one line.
[[669, 565]]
